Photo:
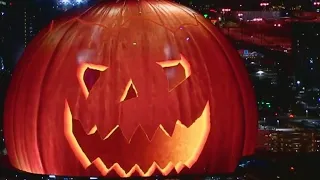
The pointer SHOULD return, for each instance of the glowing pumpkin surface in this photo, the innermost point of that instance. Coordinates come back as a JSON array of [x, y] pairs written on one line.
[[130, 88]]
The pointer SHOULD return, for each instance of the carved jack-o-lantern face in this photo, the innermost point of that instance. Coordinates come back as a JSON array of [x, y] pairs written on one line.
[[154, 110], [130, 88]]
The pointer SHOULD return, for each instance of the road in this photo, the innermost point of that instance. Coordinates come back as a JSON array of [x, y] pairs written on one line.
[[271, 42]]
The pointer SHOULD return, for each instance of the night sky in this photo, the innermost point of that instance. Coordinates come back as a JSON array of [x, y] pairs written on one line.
[[233, 4]]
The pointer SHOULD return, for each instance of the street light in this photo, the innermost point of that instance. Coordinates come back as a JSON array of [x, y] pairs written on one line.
[[260, 72]]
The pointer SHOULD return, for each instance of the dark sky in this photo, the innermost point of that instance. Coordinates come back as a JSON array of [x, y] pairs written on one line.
[[248, 2]]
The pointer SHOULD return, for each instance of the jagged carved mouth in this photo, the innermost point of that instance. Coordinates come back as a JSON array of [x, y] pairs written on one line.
[[163, 152]]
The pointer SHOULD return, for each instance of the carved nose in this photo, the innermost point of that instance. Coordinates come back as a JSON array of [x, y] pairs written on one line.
[[129, 92]]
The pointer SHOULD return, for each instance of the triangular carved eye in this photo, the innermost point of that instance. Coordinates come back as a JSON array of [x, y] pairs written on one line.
[[175, 75], [88, 75], [176, 71]]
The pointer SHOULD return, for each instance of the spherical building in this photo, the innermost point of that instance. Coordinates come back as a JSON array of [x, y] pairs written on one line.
[[130, 88]]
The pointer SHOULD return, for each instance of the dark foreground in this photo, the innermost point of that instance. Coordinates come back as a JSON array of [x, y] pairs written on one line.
[[262, 166]]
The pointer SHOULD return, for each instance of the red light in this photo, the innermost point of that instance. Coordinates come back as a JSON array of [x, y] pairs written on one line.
[[292, 168], [264, 4], [276, 114], [291, 116], [10, 4], [226, 10]]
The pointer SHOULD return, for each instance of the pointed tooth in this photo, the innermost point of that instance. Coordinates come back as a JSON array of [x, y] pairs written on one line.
[[149, 124], [86, 119], [79, 111], [88, 127], [179, 166], [166, 115], [185, 118], [168, 127], [105, 115], [150, 129], [106, 120], [128, 131], [130, 115], [93, 130], [110, 132], [106, 130]]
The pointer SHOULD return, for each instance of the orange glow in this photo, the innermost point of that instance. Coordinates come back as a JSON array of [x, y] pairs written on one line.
[[111, 132], [93, 130], [193, 143], [51, 25], [71, 139], [80, 75], [124, 95], [184, 63]]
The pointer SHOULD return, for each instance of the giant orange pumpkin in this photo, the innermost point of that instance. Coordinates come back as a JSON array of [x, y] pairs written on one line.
[[130, 88]]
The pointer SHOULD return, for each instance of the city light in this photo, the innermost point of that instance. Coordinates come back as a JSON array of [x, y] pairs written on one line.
[[65, 1], [226, 10], [1, 64], [67, 4], [260, 73], [71, 2], [257, 19], [264, 4]]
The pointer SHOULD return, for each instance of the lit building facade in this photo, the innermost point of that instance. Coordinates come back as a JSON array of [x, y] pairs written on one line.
[[289, 141]]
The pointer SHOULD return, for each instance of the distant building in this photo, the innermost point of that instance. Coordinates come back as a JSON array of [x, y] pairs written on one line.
[[5, 77], [290, 140], [3, 27], [250, 15], [306, 54], [27, 18], [24, 19], [294, 142]]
